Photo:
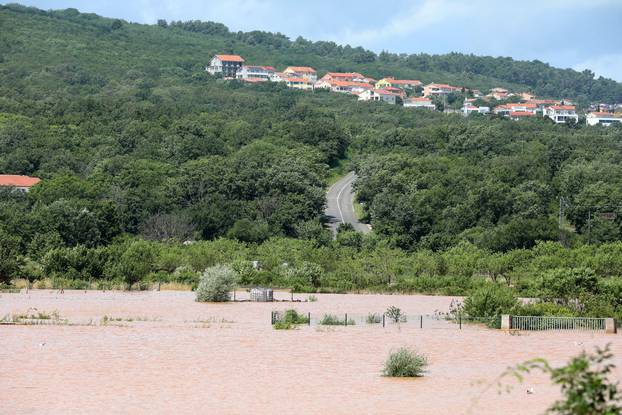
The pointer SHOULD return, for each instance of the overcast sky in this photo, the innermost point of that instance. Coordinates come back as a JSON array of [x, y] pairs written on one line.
[[575, 34]]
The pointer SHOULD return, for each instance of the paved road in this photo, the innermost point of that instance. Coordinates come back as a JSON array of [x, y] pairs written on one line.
[[339, 208]]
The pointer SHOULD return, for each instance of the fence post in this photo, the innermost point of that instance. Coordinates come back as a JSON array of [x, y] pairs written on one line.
[[421, 321], [505, 322], [309, 318], [610, 326], [346, 320], [460, 320], [383, 320]]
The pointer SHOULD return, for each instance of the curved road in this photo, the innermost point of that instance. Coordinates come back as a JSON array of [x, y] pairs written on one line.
[[339, 207]]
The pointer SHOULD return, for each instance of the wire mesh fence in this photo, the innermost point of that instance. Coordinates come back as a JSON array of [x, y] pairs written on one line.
[[415, 321]]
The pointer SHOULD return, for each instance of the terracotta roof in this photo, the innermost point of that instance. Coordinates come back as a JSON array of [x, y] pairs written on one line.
[[603, 115], [299, 69], [385, 92], [303, 80], [230, 58], [443, 86], [254, 80], [265, 68], [18, 181], [350, 83], [420, 99], [405, 81], [345, 75], [543, 101], [521, 114], [563, 107]]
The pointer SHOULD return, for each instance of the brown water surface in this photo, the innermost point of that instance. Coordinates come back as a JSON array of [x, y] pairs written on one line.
[[165, 353]]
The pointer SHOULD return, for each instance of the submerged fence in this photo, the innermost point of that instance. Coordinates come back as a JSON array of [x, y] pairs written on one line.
[[418, 321], [557, 323]]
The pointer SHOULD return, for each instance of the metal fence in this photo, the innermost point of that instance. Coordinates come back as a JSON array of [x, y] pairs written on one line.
[[413, 321], [557, 323]]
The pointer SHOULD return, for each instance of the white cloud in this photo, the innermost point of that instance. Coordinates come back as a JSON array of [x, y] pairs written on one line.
[[609, 66]]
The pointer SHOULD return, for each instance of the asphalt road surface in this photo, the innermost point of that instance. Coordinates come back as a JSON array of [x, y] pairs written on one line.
[[339, 205]]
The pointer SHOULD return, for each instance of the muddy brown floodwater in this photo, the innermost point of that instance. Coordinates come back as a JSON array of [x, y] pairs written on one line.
[[161, 352]]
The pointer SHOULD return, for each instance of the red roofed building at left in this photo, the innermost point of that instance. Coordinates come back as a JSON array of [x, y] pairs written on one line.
[[22, 183], [227, 65]]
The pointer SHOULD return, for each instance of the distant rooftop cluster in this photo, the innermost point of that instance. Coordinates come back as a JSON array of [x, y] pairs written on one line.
[[413, 94]]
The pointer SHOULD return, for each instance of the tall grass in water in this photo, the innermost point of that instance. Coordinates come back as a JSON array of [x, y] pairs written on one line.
[[332, 320], [405, 362]]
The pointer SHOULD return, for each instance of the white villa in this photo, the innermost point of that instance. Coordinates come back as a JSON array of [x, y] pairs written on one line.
[[602, 118], [561, 113]]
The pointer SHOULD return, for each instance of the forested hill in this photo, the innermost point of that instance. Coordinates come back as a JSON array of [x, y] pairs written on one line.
[[93, 43], [132, 138]]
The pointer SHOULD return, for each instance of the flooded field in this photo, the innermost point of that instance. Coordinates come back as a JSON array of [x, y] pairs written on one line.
[[161, 352]]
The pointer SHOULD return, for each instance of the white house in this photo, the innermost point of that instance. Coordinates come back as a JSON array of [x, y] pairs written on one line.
[[349, 87], [379, 95], [561, 113], [419, 102], [602, 118], [468, 109], [21, 183], [255, 72], [227, 65], [439, 89]]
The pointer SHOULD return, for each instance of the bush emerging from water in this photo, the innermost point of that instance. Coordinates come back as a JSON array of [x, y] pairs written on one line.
[[290, 319], [405, 362], [216, 284], [374, 318], [489, 302]]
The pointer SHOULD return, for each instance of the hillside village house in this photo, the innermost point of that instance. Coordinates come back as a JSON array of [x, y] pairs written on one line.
[[507, 109], [498, 94], [21, 183], [227, 65], [380, 95], [349, 87], [468, 109], [397, 83], [255, 72], [298, 83], [346, 77], [419, 102], [561, 113], [439, 89], [301, 72], [602, 118]]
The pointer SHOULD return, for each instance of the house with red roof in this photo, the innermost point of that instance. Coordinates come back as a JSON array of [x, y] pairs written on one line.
[[227, 65], [397, 83], [21, 183], [560, 114], [507, 109], [346, 77], [349, 87], [301, 72]]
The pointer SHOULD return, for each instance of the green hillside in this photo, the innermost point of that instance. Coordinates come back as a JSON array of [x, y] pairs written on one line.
[[140, 149]]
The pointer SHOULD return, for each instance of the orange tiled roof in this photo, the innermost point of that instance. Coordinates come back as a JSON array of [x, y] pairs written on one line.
[[18, 181], [521, 114], [230, 58], [563, 107], [300, 69]]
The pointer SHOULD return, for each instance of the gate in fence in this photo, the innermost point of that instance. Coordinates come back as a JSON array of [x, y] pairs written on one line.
[[538, 323]]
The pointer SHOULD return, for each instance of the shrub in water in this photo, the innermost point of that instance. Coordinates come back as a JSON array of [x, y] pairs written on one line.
[[373, 318], [289, 319], [395, 314], [216, 284], [405, 363], [489, 302]]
